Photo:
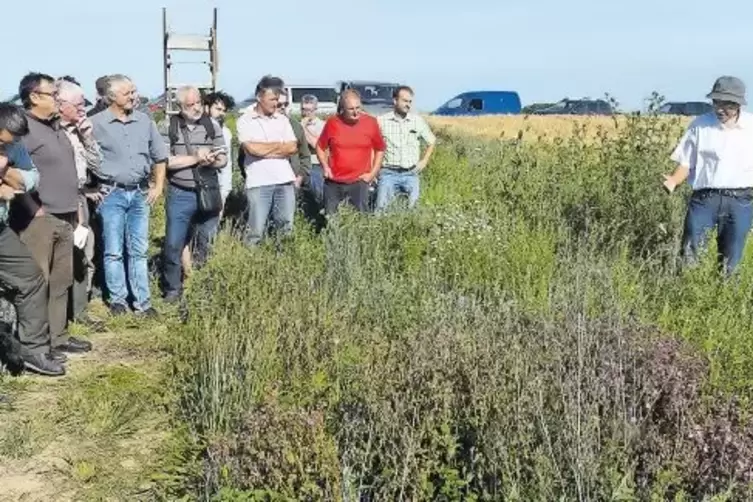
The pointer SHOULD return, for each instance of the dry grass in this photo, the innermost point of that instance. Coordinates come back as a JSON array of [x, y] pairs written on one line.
[[532, 127]]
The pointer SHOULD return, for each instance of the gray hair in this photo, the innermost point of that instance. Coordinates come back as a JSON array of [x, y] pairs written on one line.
[[183, 92], [112, 82], [68, 90], [309, 99]]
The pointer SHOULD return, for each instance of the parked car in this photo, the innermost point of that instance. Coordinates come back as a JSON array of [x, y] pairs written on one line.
[[376, 96], [578, 107], [326, 95], [482, 103], [687, 108]]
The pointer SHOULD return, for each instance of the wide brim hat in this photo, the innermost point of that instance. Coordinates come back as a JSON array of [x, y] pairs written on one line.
[[728, 88]]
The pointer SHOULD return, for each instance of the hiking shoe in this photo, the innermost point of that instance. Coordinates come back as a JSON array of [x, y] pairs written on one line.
[[74, 346], [43, 364]]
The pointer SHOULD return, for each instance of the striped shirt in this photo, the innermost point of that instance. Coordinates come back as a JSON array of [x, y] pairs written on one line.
[[402, 136]]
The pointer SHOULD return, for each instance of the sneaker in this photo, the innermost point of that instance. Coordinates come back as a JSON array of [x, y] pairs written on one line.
[[42, 364], [74, 346], [116, 309]]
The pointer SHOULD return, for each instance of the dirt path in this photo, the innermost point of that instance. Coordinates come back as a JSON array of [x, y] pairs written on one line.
[[95, 434]]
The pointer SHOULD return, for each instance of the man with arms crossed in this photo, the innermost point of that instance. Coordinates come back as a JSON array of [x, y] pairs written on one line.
[[268, 141], [716, 154], [350, 150]]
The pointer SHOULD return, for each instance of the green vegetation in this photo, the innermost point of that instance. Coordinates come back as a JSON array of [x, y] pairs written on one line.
[[527, 334]]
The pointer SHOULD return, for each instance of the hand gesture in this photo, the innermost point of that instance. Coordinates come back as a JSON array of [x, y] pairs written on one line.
[[84, 127], [4, 163], [204, 156], [154, 193], [366, 178]]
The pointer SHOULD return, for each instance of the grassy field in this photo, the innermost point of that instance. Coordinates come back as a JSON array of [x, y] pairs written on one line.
[[526, 334]]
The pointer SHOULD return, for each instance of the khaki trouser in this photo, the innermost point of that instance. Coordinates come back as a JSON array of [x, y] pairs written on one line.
[[50, 240]]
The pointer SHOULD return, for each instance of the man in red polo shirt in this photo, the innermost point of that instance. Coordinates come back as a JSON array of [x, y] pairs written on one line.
[[350, 150]]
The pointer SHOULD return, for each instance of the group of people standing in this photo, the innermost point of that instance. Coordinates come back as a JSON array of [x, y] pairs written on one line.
[[73, 183]]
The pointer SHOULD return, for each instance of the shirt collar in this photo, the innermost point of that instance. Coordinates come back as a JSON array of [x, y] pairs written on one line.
[[256, 115], [393, 116], [131, 117], [744, 121]]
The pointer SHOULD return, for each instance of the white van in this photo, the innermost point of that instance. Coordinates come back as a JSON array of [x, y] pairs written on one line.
[[326, 96]]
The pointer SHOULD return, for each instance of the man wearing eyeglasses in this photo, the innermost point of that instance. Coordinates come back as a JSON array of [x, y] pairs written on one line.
[[716, 155], [46, 219], [73, 120], [301, 160]]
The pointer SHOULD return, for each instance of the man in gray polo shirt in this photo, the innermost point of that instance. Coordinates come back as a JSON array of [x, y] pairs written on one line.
[[46, 219], [196, 140], [132, 149]]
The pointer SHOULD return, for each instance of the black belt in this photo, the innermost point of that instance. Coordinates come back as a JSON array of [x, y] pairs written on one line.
[[729, 192], [182, 187], [127, 186], [400, 169]]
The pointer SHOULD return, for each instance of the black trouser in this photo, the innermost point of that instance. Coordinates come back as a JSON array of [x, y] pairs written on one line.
[[22, 277], [356, 194]]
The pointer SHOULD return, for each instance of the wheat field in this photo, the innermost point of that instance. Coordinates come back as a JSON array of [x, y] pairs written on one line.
[[534, 127]]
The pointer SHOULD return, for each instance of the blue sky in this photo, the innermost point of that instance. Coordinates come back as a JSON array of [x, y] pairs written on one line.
[[544, 49]]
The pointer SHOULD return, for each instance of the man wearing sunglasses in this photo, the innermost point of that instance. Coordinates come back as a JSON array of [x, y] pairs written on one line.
[[716, 155]]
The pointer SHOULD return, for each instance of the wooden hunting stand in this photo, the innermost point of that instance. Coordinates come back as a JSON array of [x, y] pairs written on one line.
[[174, 42]]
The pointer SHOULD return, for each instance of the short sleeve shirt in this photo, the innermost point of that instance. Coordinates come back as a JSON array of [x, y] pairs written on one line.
[[403, 138], [253, 127], [129, 148], [351, 146], [717, 156]]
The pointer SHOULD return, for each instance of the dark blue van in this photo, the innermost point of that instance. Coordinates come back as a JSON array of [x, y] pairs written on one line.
[[482, 103]]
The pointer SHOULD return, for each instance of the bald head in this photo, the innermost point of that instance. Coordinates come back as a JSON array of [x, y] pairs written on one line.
[[350, 105]]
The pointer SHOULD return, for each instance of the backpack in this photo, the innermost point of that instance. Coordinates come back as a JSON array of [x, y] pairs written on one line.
[[176, 121]]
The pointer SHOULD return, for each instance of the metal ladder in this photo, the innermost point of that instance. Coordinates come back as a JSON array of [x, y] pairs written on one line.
[[181, 43]]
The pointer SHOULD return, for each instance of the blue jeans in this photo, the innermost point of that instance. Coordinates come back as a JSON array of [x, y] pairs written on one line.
[[732, 218], [184, 224], [316, 182], [393, 181], [125, 218], [275, 201]]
